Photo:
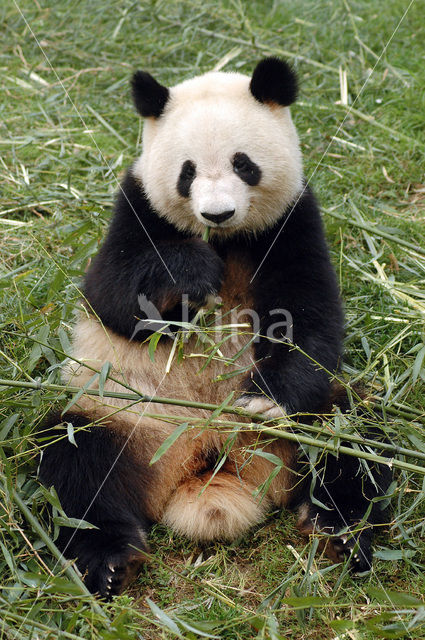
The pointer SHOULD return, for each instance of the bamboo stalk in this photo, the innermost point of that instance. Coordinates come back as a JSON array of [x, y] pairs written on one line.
[[274, 431], [349, 437], [231, 424], [364, 455], [414, 414]]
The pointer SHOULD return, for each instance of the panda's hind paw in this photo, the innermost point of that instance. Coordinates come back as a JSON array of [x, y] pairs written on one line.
[[109, 575]]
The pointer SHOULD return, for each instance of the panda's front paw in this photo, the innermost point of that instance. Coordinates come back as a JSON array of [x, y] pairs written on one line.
[[201, 280], [340, 535], [261, 404], [108, 575]]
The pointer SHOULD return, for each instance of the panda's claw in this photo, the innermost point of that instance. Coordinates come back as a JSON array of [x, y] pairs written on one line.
[[260, 404], [107, 576]]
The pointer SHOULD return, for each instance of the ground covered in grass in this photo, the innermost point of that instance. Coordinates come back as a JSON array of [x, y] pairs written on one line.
[[67, 130]]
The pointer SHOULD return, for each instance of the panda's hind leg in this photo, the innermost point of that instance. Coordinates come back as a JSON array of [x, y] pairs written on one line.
[[346, 521], [97, 480]]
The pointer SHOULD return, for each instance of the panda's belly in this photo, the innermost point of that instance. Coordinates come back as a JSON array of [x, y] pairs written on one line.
[[185, 372], [195, 371]]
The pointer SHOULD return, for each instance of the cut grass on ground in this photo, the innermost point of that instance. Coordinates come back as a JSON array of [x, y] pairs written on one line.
[[67, 131]]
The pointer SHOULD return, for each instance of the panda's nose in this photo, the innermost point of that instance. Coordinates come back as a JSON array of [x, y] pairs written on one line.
[[218, 218]]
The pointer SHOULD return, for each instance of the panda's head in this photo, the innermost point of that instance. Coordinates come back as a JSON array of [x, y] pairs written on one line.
[[220, 149]]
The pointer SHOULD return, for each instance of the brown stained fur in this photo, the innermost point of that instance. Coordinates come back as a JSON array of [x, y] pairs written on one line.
[[184, 468], [133, 568], [168, 301], [209, 507]]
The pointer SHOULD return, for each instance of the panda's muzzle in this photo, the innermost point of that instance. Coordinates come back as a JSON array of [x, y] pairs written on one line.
[[218, 218]]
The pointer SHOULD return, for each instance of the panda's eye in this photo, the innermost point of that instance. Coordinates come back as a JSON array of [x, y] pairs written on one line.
[[240, 162], [186, 177], [246, 169]]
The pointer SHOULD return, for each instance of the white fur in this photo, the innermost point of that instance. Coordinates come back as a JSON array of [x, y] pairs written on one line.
[[207, 120]]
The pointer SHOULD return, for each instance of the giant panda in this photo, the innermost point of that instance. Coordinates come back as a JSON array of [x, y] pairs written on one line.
[[220, 151]]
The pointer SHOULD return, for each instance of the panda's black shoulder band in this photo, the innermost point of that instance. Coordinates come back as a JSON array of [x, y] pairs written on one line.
[[274, 81], [149, 96]]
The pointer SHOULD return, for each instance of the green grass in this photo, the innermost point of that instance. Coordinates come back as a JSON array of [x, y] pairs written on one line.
[[67, 130]]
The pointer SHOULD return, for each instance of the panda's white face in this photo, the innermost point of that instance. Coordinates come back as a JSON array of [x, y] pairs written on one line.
[[218, 157]]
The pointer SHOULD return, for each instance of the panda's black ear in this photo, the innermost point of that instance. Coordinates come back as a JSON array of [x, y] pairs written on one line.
[[149, 96], [274, 81]]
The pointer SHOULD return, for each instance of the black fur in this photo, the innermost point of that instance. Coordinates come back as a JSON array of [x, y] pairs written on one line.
[[100, 482], [345, 488], [246, 169], [274, 81], [149, 96], [297, 276], [128, 265], [186, 177]]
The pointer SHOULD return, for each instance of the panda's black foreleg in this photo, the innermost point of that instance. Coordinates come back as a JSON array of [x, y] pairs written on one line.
[[99, 481], [346, 489]]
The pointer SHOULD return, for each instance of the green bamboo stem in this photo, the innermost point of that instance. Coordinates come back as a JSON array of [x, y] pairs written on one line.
[[231, 424], [405, 409], [349, 437], [414, 415], [321, 444], [68, 568], [138, 397], [274, 431], [364, 455], [410, 530]]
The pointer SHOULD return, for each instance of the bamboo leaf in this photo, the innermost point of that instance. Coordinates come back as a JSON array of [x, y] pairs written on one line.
[[395, 597], [73, 523], [153, 342], [169, 442], [394, 554], [304, 602], [70, 433], [417, 365], [103, 376], [164, 618], [196, 628]]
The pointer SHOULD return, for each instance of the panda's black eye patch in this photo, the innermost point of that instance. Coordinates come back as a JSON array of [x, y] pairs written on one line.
[[246, 169], [186, 177]]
